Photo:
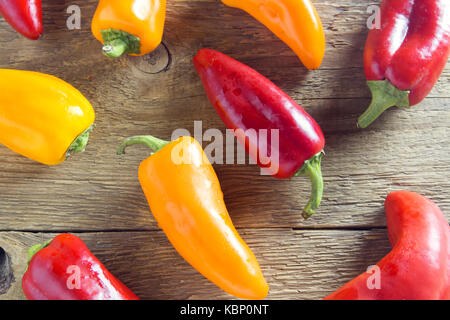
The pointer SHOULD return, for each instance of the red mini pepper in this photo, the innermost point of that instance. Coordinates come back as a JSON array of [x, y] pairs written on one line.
[[65, 269], [405, 57], [23, 15], [246, 100], [418, 267]]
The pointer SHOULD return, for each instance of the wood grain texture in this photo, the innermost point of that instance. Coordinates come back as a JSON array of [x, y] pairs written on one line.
[[297, 264], [98, 195]]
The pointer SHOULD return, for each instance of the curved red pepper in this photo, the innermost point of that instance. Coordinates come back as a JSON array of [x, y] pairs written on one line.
[[65, 269], [405, 57], [418, 267], [23, 15], [246, 100]]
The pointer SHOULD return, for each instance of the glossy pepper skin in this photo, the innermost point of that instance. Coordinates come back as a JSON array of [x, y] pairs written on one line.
[[185, 197], [25, 16], [65, 269], [295, 22], [132, 27], [418, 267], [405, 57], [42, 117], [246, 100]]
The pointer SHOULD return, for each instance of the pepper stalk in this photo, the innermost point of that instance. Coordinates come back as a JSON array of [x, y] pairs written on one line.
[[118, 42], [312, 169], [384, 96], [153, 143]]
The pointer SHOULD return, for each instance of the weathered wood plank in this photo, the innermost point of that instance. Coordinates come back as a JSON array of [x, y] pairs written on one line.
[[98, 190], [297, 264]]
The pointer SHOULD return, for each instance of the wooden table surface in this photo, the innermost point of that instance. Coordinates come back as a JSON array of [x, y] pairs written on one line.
[[96, 194]]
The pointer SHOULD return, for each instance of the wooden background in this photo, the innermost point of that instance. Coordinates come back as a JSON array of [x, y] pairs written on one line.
[[96, 195]]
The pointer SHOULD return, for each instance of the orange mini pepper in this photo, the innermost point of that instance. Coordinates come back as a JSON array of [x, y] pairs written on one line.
[[296, 22], [42, 117], [129, 26], [185, 197]]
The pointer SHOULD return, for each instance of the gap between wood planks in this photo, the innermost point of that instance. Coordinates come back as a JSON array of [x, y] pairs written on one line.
[[305, 228]]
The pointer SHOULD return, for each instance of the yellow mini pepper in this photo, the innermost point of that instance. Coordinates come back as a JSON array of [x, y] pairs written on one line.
[[186, 200], [296, 22], [42, 117], [132, 27]]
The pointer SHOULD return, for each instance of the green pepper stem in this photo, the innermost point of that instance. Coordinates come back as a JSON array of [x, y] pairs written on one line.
[[34, 249], [312, 169], [384, 96], [153, 143], [118, 42], [80, 143], [114, 48]]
